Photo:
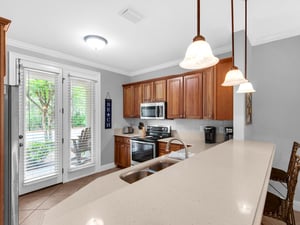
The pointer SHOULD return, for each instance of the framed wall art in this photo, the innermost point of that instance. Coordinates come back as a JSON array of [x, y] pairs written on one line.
[[248, 104], [108, 112]]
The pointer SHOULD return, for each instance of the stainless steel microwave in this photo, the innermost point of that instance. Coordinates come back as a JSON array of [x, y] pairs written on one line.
[[153, 110]]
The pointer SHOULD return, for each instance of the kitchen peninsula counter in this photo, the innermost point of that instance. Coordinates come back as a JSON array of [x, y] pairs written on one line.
[[224, 185]]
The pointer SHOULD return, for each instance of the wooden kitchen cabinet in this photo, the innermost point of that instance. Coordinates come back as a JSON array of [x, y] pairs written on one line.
[[154, 91], [175, 97], [193, 96], [4, 24], [173, 147], [223, 95], [122, 151], [217, 100], [209, 93], [184, 96], [132, 98]]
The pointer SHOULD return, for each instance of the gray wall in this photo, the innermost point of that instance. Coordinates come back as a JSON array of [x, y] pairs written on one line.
[[274, 72], [112, 83]]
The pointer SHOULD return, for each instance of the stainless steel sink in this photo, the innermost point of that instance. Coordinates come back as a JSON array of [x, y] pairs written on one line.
[[138, 174], [161, 165], [133, 176]]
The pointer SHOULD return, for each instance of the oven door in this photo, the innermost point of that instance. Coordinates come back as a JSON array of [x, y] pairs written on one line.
[[142, 151]]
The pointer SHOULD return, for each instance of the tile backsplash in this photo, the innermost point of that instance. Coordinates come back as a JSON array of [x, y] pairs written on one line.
[[187, 129]]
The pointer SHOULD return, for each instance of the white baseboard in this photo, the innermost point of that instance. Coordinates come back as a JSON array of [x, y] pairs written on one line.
[[107, 167]]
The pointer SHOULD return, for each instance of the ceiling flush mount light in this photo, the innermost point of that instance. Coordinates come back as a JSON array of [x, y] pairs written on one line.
[[95, 42], [199, 54], [246, 87], [234, 76]]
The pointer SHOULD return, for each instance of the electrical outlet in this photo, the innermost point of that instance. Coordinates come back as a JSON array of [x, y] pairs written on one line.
[[201, 128], [221, 130]]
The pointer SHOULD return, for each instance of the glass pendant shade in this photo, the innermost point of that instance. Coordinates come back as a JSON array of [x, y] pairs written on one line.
[[246, 88], [95, 42], [234, 77], [199, 56]]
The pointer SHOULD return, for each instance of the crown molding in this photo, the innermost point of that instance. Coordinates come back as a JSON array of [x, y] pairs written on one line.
[[60, 55], [217, 51], [63, 56], [275, 37]]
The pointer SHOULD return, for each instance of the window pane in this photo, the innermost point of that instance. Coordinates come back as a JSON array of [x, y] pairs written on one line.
[[81, 122], [40, 124]]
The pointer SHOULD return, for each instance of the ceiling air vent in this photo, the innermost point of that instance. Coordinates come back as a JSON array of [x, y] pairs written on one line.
[[131, 15]]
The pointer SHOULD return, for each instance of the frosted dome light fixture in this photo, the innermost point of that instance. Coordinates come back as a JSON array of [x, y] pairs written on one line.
[[246, 88], [234, 77], [95, 42]]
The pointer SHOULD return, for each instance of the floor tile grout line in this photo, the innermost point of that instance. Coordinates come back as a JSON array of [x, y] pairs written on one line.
[[55, 191], [32, 210]]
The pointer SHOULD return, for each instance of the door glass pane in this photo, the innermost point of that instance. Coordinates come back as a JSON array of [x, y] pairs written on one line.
[[81, 122], [40, 124]]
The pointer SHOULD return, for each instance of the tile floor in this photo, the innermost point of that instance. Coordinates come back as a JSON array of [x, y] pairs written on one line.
[[33, 206]]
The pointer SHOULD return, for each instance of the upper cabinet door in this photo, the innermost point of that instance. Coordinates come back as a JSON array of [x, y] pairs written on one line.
[[154, 91], [147, 91], [132, 97], [224, 95], [175, 98], [193, 96], [209, 94], [128, 99], [159, 90], [137, 93]]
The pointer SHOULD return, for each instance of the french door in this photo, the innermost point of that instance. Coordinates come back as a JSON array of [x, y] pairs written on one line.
[[40, 125], [57, 123]]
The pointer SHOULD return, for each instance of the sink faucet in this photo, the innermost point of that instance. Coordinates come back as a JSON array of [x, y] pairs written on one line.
[[177, 139]]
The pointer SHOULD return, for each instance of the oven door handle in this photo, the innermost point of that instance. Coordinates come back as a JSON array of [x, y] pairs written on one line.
[[143, 142]]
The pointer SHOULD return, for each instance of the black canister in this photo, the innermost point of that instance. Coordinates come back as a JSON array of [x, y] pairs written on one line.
[[210, 134]]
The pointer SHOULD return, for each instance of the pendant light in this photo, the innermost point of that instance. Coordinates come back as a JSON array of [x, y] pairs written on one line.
[[199, 54], [234, 76], [246, 87]]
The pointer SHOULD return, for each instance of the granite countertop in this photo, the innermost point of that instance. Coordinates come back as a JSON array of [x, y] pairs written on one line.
[[226, 185]]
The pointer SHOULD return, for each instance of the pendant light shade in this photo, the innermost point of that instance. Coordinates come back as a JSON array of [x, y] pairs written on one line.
[[199, 54], [246, 88], [234, 76]]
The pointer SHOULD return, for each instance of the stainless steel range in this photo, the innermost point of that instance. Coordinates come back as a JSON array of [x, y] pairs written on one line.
[[145, 148]]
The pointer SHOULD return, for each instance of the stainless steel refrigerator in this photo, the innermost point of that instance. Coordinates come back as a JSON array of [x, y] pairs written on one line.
[[12, 140]]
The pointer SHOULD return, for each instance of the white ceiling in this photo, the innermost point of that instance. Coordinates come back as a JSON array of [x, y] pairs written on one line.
[[158, 40]]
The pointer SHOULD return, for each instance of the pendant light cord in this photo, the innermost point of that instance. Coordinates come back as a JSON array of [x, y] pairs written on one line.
[[246, 30], [198, 36], [198, 17], [232, 33]]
